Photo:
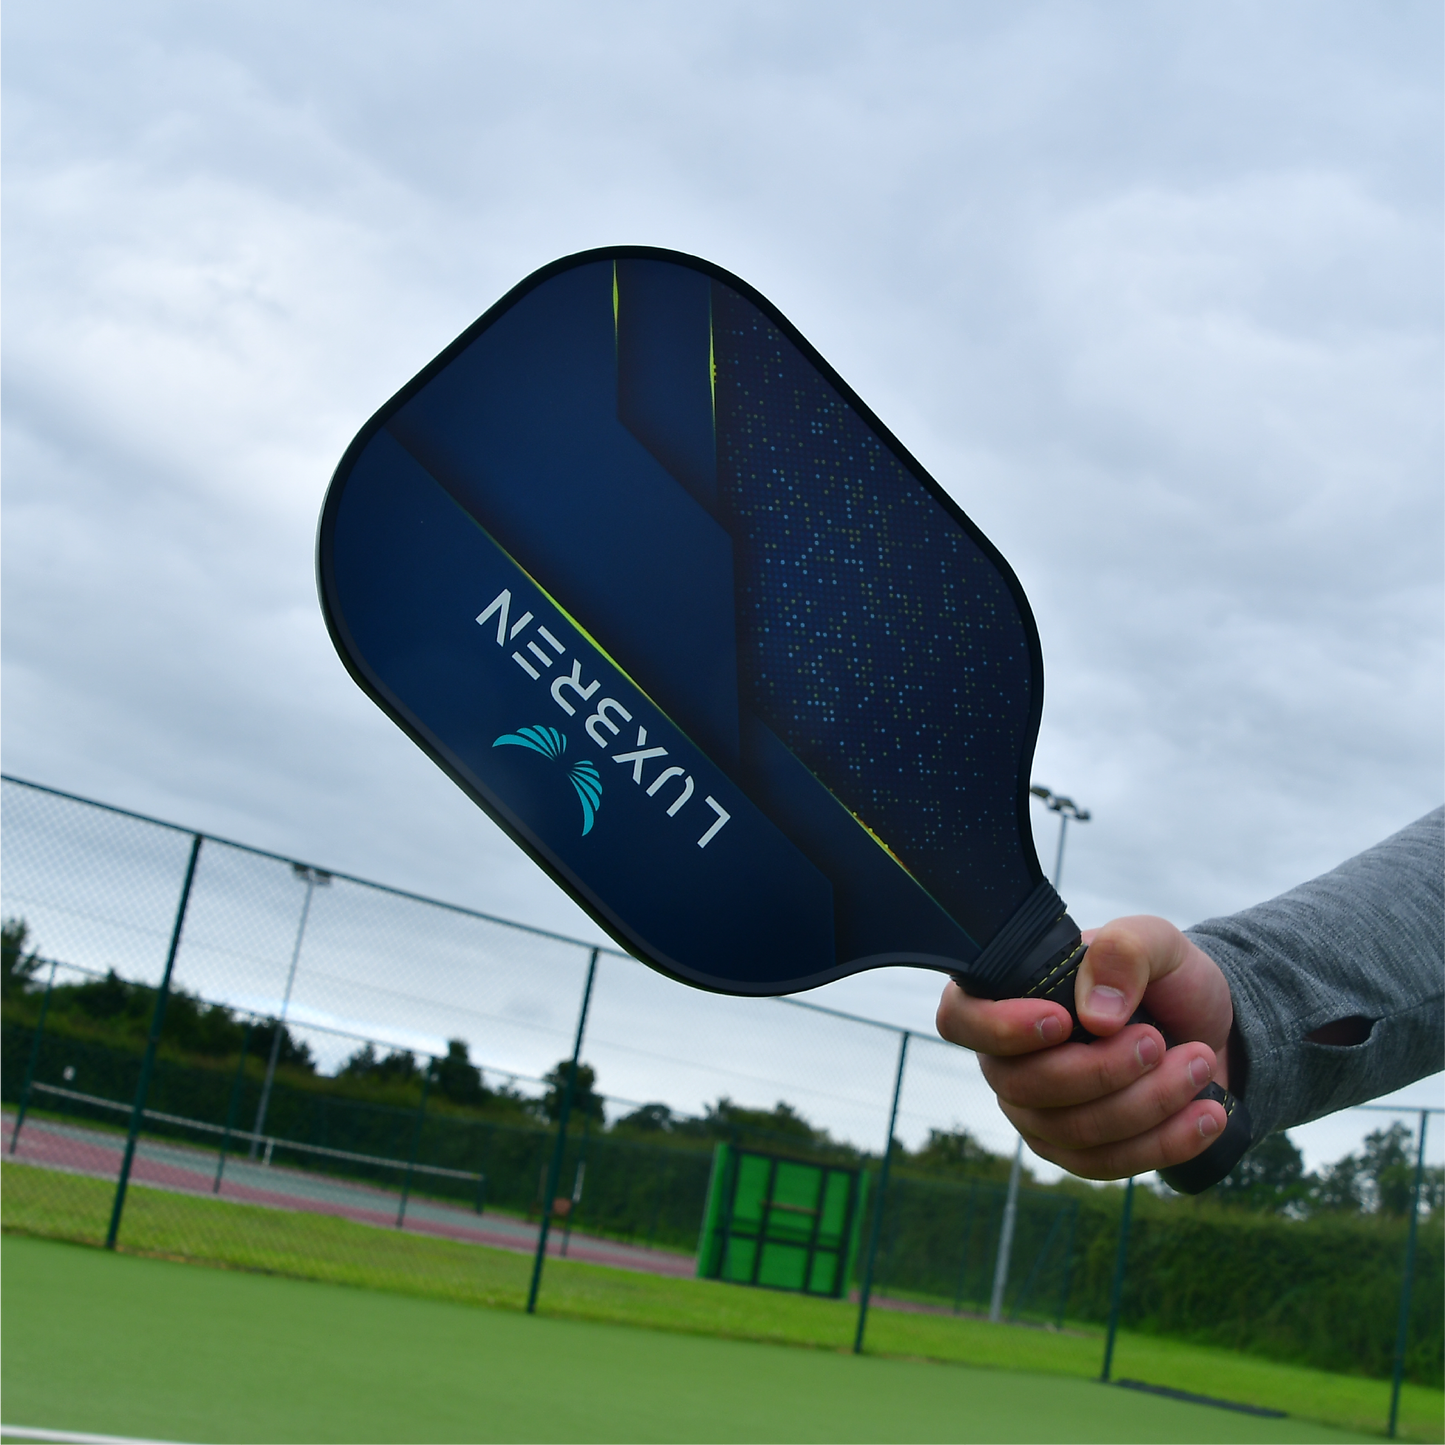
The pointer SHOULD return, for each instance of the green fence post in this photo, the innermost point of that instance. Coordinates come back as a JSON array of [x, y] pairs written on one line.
[[879, 1202], [232, 1107], [549, 1194], [34, 1060], [1402, 1333], [1116, 1292], [148, 1060], [415, 1141]]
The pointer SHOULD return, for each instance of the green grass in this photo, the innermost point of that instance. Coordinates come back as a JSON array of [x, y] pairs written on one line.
[[318, 1247], [122, 1345]]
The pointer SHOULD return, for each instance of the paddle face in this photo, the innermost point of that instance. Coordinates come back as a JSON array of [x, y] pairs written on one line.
[[641, 573]]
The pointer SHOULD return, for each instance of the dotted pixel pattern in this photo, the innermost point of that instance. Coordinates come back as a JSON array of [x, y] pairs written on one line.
[[875, 637]]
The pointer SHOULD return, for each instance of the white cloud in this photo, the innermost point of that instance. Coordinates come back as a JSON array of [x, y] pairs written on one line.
[[1155, 293]]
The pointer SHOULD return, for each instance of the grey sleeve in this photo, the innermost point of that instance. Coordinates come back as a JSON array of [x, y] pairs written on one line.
[[1366, 940]]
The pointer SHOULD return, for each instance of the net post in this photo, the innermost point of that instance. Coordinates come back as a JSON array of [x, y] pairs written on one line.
[[415, 1141], [880, 1200], [1116, 1290], [577, 1186], [1402, 1332], [148, 1060], [549, 1194], [34, 1060], [232, 1106]]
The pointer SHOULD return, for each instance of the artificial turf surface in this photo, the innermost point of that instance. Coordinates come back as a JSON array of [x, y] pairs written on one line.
[[119, 1345], [337, 1251]]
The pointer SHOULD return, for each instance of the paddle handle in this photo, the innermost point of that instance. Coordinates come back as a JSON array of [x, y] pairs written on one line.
[[1194, 1176]]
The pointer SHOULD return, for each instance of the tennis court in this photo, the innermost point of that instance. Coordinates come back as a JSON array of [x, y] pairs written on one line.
[[109, 1344], [185, 1169]]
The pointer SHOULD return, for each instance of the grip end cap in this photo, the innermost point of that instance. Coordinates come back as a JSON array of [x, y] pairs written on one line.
[[1205, 1170]]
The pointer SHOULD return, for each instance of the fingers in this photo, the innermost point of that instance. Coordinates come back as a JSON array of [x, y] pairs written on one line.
[[1154, 1099], [1188, 1133], [1075, 1073], [1123, 959], [1000, 1026]]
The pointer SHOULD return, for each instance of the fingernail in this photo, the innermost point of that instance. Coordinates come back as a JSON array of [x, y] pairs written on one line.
[[1108, 1002], [1200, 1073], [1147, 1051], [1208, 1127], [1050, 1030]]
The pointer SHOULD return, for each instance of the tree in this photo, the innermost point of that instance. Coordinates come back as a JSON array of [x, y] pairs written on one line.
[[193, 1026], [1340, 1189], [649, 1119], [110, 1000], [1269, 1179], [19, 964], [458, 1078], [586, 1101], [957, 1152], [398, 1067], [781, 1125], [293, 1053], [1390, 1169]]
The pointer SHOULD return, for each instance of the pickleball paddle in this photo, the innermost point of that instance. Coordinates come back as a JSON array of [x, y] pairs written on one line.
[[646, 578]]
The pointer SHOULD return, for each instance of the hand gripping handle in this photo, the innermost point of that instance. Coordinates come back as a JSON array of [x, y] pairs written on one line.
[[1036, 955], [1195, 1175]]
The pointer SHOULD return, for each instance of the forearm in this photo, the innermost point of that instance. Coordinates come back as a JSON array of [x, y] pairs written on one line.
[[1365, 941]]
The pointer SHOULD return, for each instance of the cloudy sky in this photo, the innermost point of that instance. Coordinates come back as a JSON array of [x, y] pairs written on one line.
[[1153, 290]]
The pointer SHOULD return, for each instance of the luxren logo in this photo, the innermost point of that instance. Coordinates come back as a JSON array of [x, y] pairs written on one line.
[[552, 744], [602, 726]]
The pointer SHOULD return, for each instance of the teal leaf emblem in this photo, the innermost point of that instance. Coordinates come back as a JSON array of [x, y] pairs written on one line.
[[584, 777], [547, 741], [589, 791]]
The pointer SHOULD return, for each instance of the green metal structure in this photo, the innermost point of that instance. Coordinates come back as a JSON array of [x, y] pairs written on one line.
[[781, 1223]]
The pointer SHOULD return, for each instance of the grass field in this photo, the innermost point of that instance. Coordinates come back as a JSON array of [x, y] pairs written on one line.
[[439, 1272], [127, 1346]]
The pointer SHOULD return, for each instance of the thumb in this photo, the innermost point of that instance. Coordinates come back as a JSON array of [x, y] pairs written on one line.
[[1123, 959]]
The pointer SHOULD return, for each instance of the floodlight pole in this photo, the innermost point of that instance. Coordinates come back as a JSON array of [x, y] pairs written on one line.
[[1066, 808], [1402, 1332], [314, 878], [550, 1193], [1006, 1237]]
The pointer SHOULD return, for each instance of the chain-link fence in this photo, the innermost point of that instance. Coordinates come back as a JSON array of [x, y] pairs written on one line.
[[214, 1051]]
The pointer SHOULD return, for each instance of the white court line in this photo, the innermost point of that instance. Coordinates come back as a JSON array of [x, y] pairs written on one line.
[[75, 1437]]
